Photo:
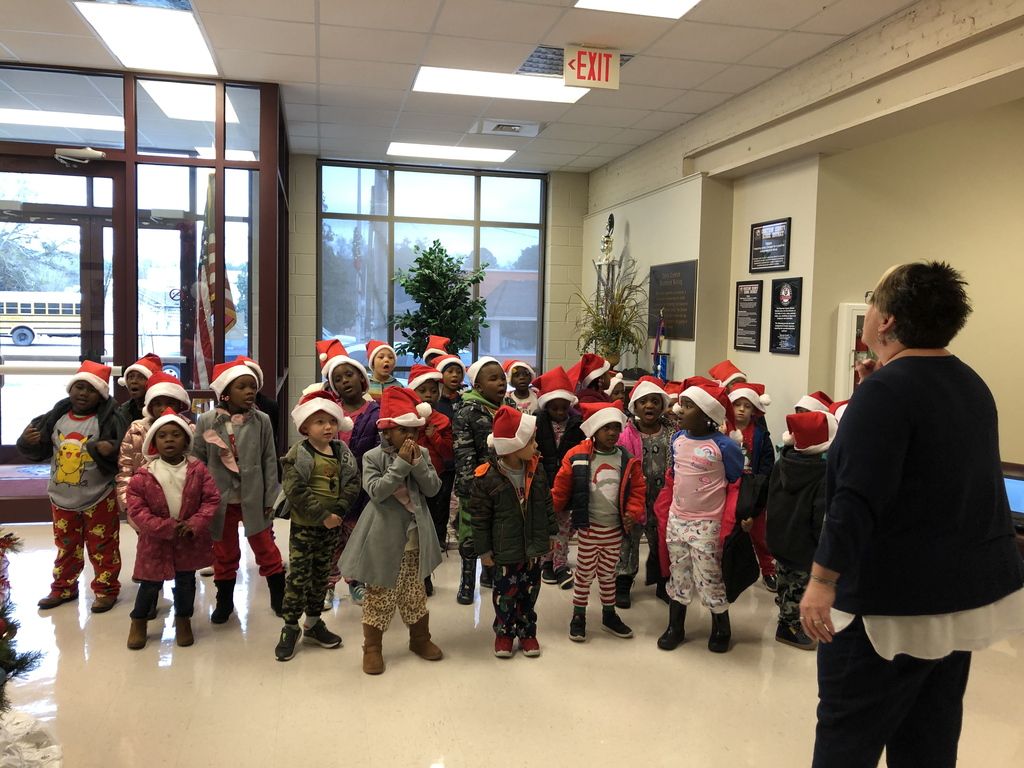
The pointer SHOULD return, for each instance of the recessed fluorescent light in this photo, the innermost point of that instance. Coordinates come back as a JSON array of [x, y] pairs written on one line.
[[495, 85], [441, 152], [188, 101], [62, 119], [156, 39], [665, 9]]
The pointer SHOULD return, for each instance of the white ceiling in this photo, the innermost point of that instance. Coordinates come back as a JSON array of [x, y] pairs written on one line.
[[347, 66]]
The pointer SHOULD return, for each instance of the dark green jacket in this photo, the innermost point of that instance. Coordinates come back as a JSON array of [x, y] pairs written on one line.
[[502, 527], [300, 503]]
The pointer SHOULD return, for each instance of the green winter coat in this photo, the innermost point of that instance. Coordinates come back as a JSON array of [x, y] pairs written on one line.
[[297, 500], [473, 423], [502, 527]]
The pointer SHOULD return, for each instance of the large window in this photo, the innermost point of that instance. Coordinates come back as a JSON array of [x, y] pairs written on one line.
[[371, 219]]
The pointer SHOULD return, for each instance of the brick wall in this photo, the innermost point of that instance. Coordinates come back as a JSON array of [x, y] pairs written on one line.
[[302, 369], [568, 195]]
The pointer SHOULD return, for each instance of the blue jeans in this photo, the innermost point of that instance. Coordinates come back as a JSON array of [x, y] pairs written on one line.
[[184, 595]]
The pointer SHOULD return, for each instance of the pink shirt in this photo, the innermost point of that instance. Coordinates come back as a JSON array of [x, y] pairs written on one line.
[[703, 468]]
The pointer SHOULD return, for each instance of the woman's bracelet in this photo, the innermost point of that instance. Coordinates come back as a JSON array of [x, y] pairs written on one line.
[[826, 582]]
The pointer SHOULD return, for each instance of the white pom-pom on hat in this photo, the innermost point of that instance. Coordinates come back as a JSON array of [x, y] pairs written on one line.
[[490, 440], [346, 424], [323, 357], [788, 439], [737, 437], [424, 410]]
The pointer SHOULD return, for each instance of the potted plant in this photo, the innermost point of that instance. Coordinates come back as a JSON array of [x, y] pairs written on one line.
[[614, 320], [443, 290]]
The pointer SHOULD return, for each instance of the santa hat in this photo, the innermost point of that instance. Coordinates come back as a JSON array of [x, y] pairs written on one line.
[[167, 417], [588, 369], [512, 430], [440, 363], [254, 367], [225, 373], [401, 407], [315, 402], [754, 393], [554, 385], [331, 354], [811, 432], [697, 381], [96, 375], [436, 345], [838, 409], [421, 374], [615, 381], [162, 384], [725, 373], [147, 365], [374, 348], [474, 369], [648, 385], [816, 401], [597, 415], [711, 399], [508, 365], [673, 388]]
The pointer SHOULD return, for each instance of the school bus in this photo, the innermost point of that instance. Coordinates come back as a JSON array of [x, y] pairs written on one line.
[[24, 315]]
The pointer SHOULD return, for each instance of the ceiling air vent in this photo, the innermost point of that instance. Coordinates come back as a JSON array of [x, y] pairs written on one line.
[[548, 60], [493, 127], [506, 128]]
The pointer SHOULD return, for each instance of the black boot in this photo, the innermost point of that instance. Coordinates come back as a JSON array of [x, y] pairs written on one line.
[[275, 582], [622, 586], [225, 601], [676, 627], [661, 593], [428, 586], [486, 577], [721, 633], [468, 583]]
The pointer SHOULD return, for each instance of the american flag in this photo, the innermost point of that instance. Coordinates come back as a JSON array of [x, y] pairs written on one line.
[[202, 361]]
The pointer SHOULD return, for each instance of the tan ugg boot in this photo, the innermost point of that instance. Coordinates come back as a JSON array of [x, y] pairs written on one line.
[[419, 640], [183, 631], [137, 634], [373, 657]]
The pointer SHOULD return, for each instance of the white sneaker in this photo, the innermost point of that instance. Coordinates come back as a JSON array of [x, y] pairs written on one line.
[[206, 572], [329, 599], [357, 592]]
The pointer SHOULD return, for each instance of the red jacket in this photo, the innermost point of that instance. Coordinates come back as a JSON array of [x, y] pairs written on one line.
[[441, 444], [574, 486], [160, 551]]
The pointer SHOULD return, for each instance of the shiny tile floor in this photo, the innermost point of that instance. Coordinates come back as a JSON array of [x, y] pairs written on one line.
[[227, 702]]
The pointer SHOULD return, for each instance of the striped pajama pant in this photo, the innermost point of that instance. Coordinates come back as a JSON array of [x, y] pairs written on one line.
[[598, 553]]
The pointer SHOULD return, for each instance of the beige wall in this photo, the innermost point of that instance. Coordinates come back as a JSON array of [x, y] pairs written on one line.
[[787, 191], [953, 192], [302, 368], [566, 207]]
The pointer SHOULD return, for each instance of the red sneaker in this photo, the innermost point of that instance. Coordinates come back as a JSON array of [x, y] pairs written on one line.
[[503, 646], [530, 646]]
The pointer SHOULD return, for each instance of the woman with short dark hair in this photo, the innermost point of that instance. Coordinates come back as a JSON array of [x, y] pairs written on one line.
[[916, 567]]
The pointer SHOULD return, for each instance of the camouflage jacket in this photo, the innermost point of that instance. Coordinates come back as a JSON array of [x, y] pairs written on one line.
[[474, 421]]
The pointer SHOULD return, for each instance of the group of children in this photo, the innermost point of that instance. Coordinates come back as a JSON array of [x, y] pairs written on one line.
[[368, 491]]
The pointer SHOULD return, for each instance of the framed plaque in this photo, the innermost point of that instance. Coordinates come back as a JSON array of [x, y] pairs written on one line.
[[673, 291], [769, 246], [784, 332], [747, 329]]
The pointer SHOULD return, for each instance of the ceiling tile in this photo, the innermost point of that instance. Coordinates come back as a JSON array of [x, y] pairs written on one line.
[[612, 116], [621, 31], [248, 34], [370, 74], [448, 138], [534, 111], [358, 96], [663, 121], [303, 144], [359, 132], [300, 112], [739, 78], [768, 14], [496, 20], [586, 163], [710, 42], [433, 122], [543, 158], [668, 73], [350, 116], [300, 93], [512, 165], [790, 49], [561, 147], [635, 136], [5, 53], [446, 104], [573, 132], [632, 96], [848, 16], [306, 130], [488, 141], [371, 44], [610, 150], [697, 102], [58, 49], [402, 15], [57, 17], [484, 55], [293, 10], [272, 67], [358, 146]]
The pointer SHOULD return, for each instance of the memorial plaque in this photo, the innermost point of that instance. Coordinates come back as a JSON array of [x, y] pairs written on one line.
[[769, 246], [747, 333], [784, 332], [673, 291]]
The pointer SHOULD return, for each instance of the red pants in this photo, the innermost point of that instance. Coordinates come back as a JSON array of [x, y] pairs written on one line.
[[227, 553], [94, 529], [764, 557]]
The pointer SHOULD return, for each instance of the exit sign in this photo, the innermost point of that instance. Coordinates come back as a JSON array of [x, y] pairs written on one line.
[[591, 68]]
